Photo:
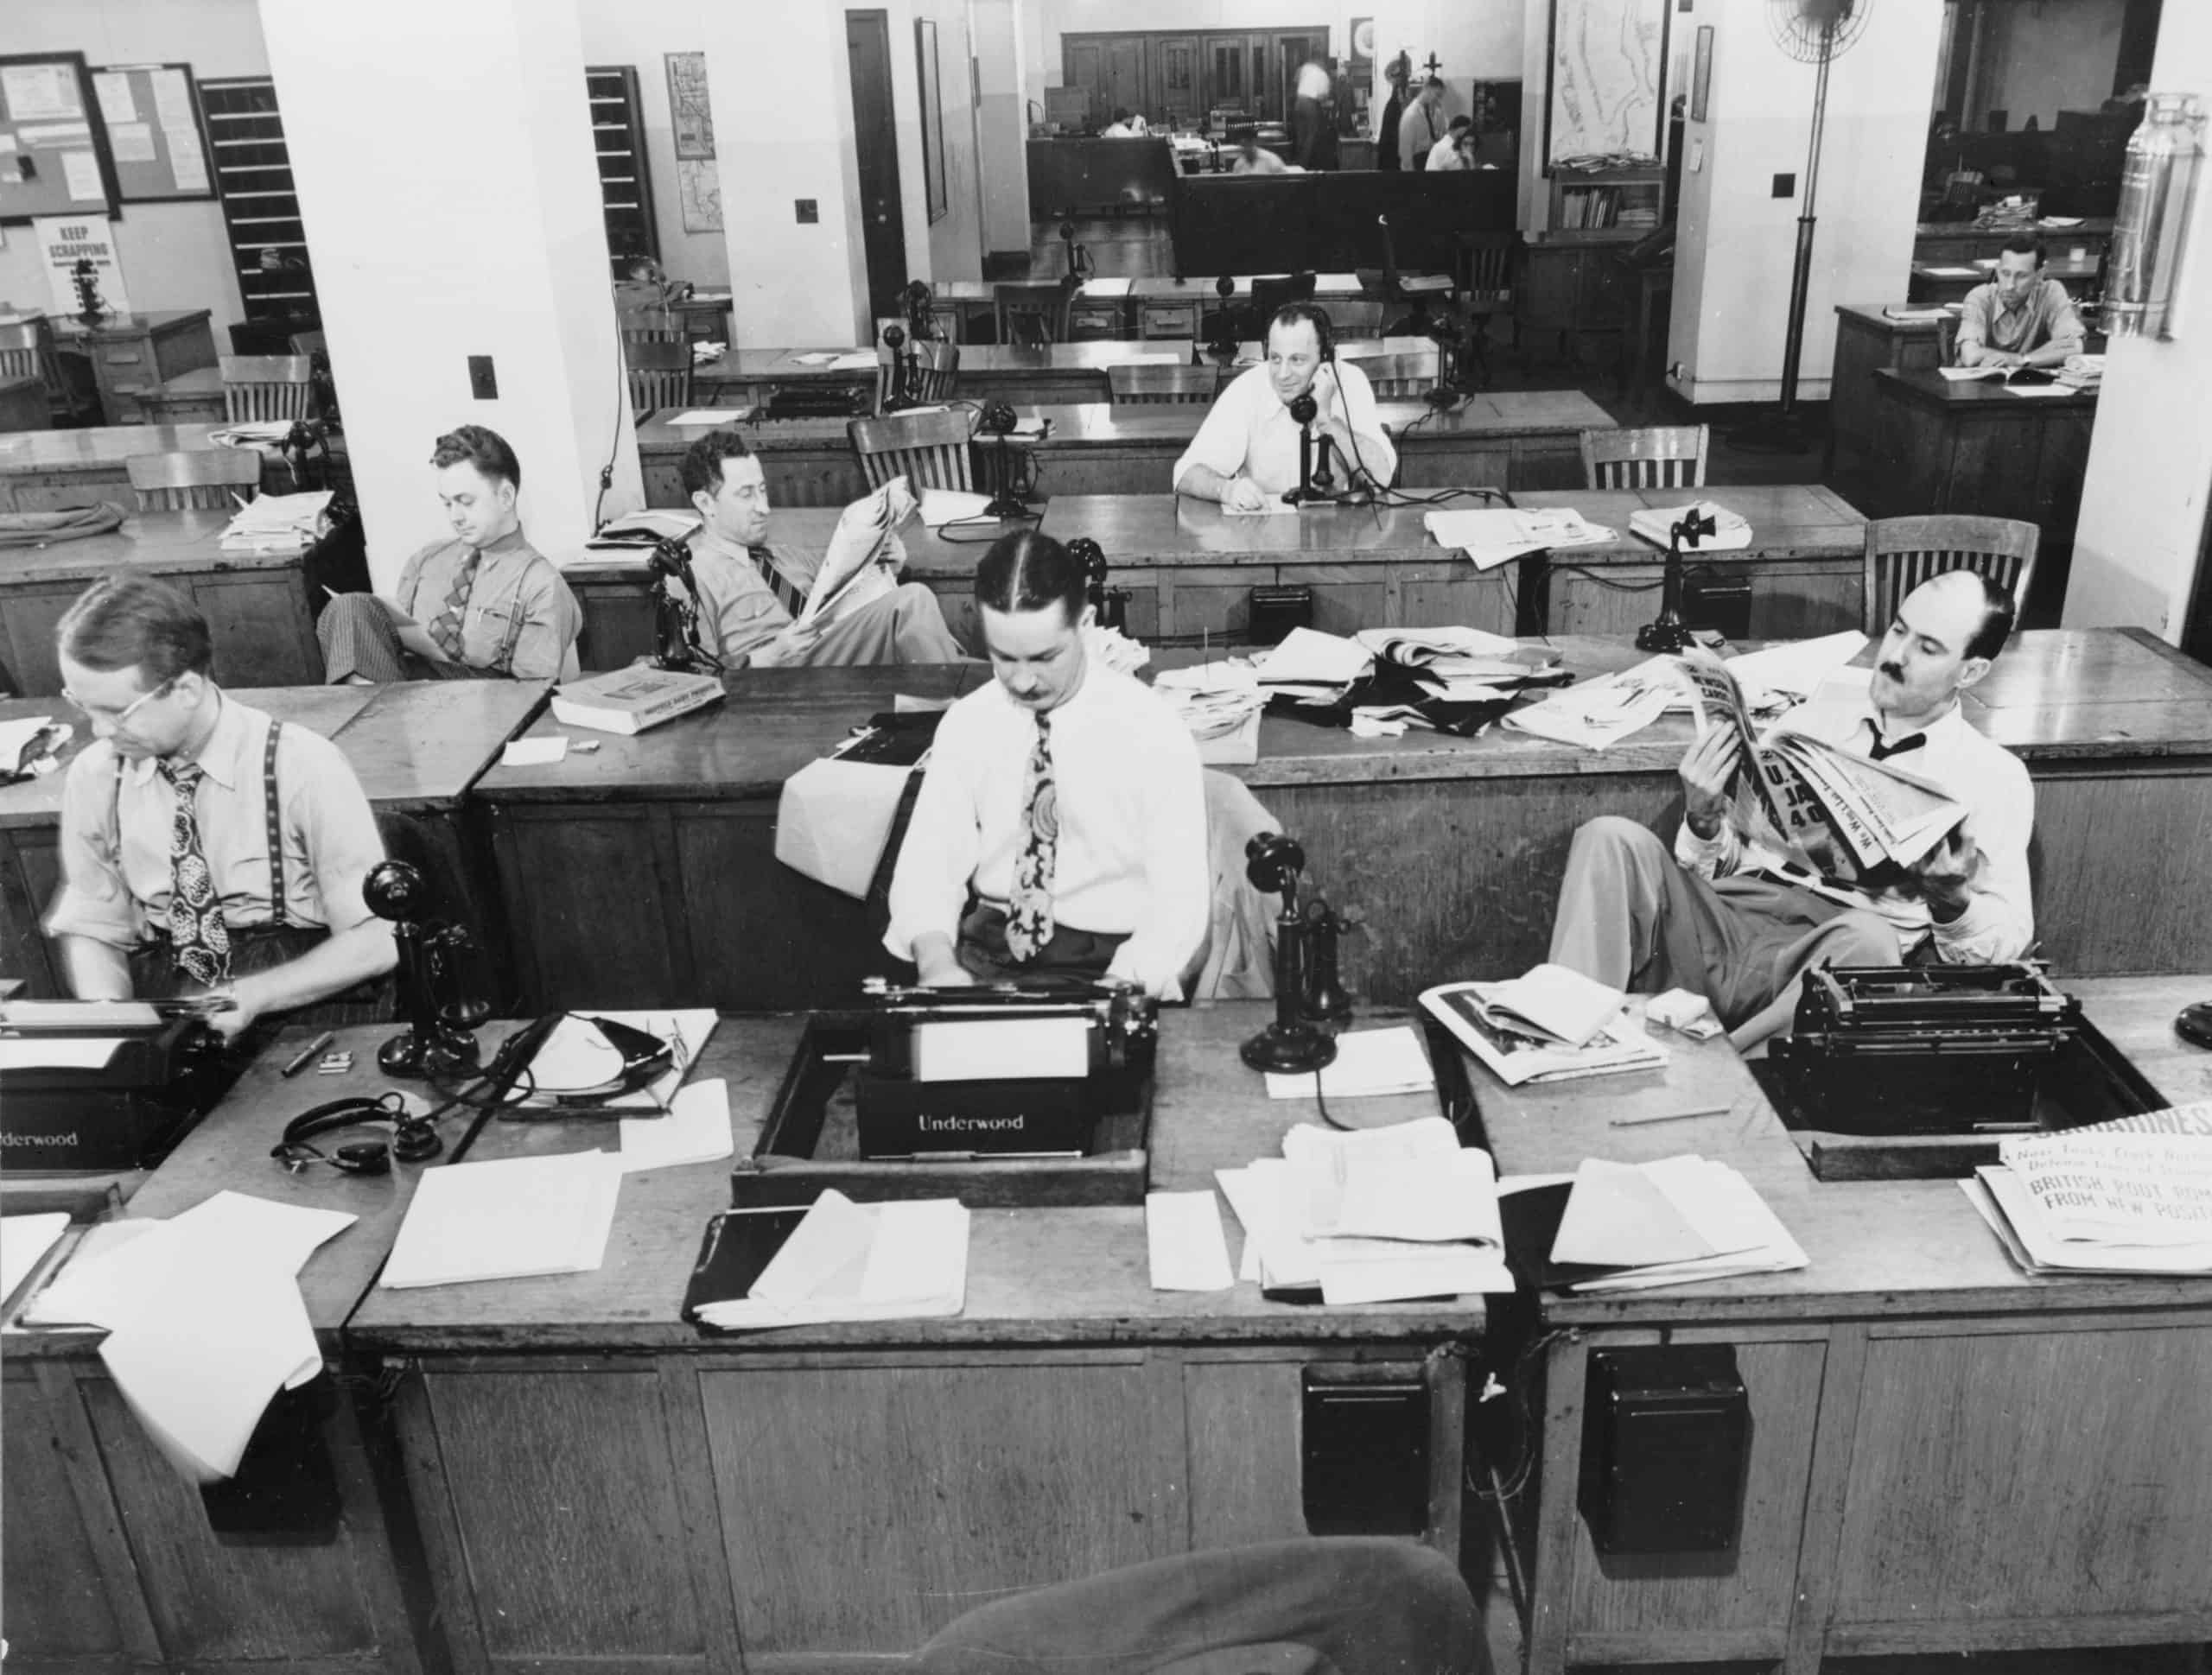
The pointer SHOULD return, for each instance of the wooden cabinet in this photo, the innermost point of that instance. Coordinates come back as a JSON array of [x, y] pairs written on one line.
[[1573, 282], [1175, 81], [132, 354], [1110, 68]]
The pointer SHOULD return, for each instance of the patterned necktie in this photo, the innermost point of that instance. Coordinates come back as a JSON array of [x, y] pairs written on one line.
[[445, 627], [1029, 908], [200, 942], [1911, 741], [789, 597]]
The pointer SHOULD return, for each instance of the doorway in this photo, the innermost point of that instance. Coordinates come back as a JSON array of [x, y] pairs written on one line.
[[875, 142]]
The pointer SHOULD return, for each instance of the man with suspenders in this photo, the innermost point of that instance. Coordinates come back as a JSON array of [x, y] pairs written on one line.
[[205, 847]]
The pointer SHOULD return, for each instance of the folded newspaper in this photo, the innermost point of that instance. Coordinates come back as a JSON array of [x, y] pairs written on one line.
[[865, 555], [1836, 814]]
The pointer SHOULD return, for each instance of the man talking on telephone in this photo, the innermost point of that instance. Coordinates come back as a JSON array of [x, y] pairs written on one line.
[[1245, 455]]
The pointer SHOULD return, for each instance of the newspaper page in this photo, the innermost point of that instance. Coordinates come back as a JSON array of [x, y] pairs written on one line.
[[854, 570], [2128, 1187]]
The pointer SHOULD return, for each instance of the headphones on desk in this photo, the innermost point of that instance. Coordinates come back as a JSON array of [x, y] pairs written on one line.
[[414, 1137]]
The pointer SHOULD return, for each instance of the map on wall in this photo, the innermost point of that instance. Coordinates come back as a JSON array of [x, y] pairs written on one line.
[[689, 112], [1606, 57], [700, 187]]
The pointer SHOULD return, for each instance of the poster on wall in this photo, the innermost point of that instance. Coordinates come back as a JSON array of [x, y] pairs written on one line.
[[691, 113], [1606, 59], [700, 186], [63, 241]]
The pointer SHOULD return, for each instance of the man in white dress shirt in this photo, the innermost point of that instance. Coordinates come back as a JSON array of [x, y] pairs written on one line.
[[1723, 916], [1246, 452], [1061, 827]]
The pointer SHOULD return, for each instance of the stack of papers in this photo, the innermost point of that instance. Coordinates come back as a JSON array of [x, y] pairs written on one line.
[[1377, 1216], [507, 1220], [576, 1057], [1730, 534], [277, 522], [1603, 712], [1115, 649], [2082, 372], [1554, 1025], [1220, 702], [1461, 665], [1669, 1222], [853, 1262], [1312, 666], [1491, 537], [260, 432], [943, 506], [2129, 1197], [706, 350], [1911, 313], [204, 1315], [1368, 1062], [647, 527]]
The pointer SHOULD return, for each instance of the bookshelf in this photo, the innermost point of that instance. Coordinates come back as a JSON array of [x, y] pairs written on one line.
[[1624, 200]]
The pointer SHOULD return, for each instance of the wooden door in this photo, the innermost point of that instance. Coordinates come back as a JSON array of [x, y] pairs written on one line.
[[1083, 64], [1175, 100], [1235, 67], [1125, 83], [868, 41]]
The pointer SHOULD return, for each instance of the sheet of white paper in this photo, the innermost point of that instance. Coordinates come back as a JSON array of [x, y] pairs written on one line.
[[1105, 288], [80, 173], [187, 162], [39, 92], [1001, 1049], [131, 141], [535, 752], [825, 1255], [861, 360], [16, 734], [2040, 389], [24, 1241], [1267, 1199], [1354, 1271], [696, 1130], [704, 415], [113, 89], [1183, 1242], [1368, 1062], [920, 1253], [1308, 654], [507, 1219], [1423, 1202], [56, 1052], [102, 1274], [1270, 507], [238, 1226], [903, 703], [1510, 1184], [942, 506]]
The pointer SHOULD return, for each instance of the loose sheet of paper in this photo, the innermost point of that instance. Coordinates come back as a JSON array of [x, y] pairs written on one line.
[[704, 415], [696, 1130], [506, 1220], [24, 1241], [56, 1052], [1367, 1062], [1183, 1242], [535, 752], [942, 506], [132, 141]]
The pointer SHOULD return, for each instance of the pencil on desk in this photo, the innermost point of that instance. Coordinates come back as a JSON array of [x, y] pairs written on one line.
[[1672, 1116], [306, 1055]]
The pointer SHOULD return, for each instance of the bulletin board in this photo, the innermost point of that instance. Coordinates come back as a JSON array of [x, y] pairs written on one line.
[[157, 135], [54, 147]]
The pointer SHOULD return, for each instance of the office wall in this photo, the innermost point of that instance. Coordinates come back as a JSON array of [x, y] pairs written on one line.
[[2045, 56], [1738, 241], [174, 255], [2143, 503], [1003, 156], [956, 242]]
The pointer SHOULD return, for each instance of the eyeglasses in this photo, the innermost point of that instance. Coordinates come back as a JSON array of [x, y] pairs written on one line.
[[92, 711]]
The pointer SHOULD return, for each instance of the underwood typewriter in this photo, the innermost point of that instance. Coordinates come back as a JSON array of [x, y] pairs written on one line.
[[103, 1085]]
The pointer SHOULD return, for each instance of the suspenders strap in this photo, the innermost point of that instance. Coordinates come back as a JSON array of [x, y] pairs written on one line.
[[273, 803]]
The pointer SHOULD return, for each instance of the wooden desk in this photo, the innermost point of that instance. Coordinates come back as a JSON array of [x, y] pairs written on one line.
[[1978, 446], [1191, 568], [194, 397], [705, 314], [1944, 282], [23, 406], [57, 470], [256, 603], [132, 353], [1910, 1488], [1515, 440], [1866, 340]]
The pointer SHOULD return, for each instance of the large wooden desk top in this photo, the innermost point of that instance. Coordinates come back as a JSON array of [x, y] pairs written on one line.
[[782, 366], [152, 543], [97, 448], [1982, 398]]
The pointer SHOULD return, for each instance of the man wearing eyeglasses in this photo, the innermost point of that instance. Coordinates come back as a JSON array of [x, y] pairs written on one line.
[[206, 847]]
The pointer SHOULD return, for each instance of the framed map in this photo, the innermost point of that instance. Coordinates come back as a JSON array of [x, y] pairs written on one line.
[[700, 186], [691, 113], [1606, 62]]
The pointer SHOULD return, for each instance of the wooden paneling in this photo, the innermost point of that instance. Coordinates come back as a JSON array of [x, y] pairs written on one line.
[[2103, 907], [2030, 1477], [50, 1574], [1244, 1459], [865, 1507]]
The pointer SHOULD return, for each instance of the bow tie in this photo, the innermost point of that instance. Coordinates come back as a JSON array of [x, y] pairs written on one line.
[[1911, 741]]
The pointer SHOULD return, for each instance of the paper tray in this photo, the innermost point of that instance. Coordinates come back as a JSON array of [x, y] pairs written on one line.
[[811, 1141]]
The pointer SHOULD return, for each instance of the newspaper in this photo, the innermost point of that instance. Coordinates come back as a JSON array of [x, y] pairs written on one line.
[[864, 553], [1833, 813]]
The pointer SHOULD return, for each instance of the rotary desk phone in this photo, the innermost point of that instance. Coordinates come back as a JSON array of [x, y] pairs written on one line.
[[1079, 263], [906, 372], [438, 1042], [1111, 605], [1317, 483], [1016, 466], [1667, 631], [676, 645], [1221, 342], [1306, 989], [918, 297]]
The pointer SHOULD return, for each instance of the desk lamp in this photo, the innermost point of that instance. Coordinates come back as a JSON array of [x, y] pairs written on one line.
[[906, 386], [1667, 631], [1272, 863], [1011, 497], [438, 1042], [675, 616], [1111, 605]]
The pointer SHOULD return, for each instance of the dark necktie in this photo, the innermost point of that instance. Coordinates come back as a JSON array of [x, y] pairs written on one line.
[[1911, 741], [788, 596], [446, 626], [1029, 908], [200, 942]]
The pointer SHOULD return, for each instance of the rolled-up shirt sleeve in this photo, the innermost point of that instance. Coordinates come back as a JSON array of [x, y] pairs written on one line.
[[1224, 436], [929, 887], [325, 803], [94, 901], [1999, 922]]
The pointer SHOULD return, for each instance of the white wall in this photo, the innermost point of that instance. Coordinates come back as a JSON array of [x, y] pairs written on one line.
[[1002, 158], [2045, 56], [956, 242], [174, 255], [2143, 503], [1738, 242]]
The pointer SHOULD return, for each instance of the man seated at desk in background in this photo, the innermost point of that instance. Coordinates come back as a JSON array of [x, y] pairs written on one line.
[[750, 594], [1253, 158], [1246, 452], [1724, 916], [1422, 126], [1124, 126], [1456, 150], [1060, 831], [205, 846], [2021, 317], [486, 603], [641, 298]]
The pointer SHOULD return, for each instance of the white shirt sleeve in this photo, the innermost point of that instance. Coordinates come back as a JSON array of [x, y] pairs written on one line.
[[1999, 922], [1178, 889], [929, 887], [1225, 435]]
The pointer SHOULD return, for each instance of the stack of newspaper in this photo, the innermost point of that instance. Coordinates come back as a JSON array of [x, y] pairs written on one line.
[[1552, 1025], [1220, 702], [277, 522], [1596, 713], [1491, 537], [1729, 531], [1373, 1216], [2132, 1195], [1668, 1222], [1312, 666], [1463, 665]]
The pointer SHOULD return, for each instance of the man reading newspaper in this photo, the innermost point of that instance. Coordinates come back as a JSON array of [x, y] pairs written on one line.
[[1878, 830]]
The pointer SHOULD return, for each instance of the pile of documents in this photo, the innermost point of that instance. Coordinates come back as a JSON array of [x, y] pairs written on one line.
[[1368, 1063], [2082, 372], [1596, 713], [1220, 702], [2132, 1195], [1380, 1215], [1491, 537], [1666, 1223], [204, 1315], [853, 1262], [1115, 649], [1462, 665], [278, 523], [1311, 666], [506, 1220], [1551, 1025], [1730, 532]]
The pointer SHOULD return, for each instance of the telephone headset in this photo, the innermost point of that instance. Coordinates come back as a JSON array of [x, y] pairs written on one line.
[[414, 1140]]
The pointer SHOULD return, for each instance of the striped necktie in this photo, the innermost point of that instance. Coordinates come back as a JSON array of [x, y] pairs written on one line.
[[200, 942], [788, 596], [1029, 906], [446, 626]]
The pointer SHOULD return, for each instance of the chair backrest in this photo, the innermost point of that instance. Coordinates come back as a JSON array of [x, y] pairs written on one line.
[[202, 478], [1143, 385], [1655, 457], [1031, 313], [937, 363], [1488, 273], [636, 333], [1398, 376], [929, 449], [20, 352], [660, 374], [1904, 552], [257, 387]]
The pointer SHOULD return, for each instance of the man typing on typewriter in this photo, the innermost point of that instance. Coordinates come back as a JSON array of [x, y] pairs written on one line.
[[1061, 827], [206, 847], [1725, 917], [752, 593]]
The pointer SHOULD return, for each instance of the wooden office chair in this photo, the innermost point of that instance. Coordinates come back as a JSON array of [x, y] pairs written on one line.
[[1904, 552], [19, 351], [27, 351], [660, 374], [202, 478], [1488, 261], [1399, 376], [637, 332], [1140, 386], [262, 388], [929, 449], [1654, 457], [1031, 314], [939, 364]]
